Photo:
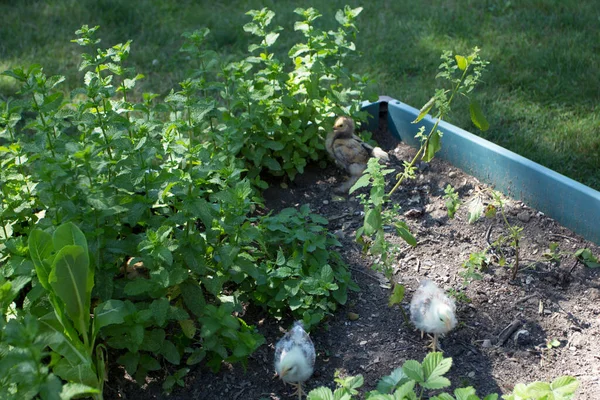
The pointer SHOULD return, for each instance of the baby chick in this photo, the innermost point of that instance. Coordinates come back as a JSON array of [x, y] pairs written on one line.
[[295, 357], [432, 311], [350, 152]]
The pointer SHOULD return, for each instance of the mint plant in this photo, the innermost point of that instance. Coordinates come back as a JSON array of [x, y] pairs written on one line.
[[298, 269], [166, 191]]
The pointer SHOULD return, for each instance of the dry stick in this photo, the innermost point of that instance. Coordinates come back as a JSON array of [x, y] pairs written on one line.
[[507, 332], [562, 236], [338, 217], [524, 299], [574, 265], [366, 274]]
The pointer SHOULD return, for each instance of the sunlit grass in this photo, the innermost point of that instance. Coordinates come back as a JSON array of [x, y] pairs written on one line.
[[540, 93]]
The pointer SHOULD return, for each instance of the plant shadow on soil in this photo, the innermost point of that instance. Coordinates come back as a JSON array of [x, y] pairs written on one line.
[[548, 300]]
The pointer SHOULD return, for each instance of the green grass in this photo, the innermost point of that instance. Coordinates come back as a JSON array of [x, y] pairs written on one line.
[[541, 89]]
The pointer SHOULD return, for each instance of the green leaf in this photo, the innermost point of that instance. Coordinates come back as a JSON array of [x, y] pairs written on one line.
[[492, 396], [475, 209], [464, 393], [193, 297], [40, 249], [271, 163], [424, 110], [461, 62], [170, 352], [72, 280], [188, 327], [69, 234], [320, 393], [159, 308], [75, 390], [477, 116], [388, 383], [403, 231], [404, 390], [109, 313], [436, 365], [434, 144], [372, 221], [80, 373], [364, 180], [397, 295], [564, 386], [414, 371], [442, 396], [271, 38], [437, 382], [538, 389]]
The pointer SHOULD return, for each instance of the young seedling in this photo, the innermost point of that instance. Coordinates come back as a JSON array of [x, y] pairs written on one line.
[[515, 233]]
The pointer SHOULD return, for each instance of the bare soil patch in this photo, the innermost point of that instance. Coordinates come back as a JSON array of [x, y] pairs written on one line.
[[548, 300]]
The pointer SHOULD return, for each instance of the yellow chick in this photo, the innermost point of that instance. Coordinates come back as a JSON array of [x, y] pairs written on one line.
[[350, 152]]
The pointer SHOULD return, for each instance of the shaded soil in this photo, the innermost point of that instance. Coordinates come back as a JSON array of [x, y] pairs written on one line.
[[548, 300]]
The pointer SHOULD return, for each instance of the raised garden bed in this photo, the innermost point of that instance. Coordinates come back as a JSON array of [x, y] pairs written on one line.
[[550, 299]]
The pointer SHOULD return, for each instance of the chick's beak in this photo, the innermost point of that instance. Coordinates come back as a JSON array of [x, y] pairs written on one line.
[[284, 372]]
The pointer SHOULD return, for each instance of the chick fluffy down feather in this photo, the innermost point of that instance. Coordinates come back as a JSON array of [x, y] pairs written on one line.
[[429, 305], [295, 349]]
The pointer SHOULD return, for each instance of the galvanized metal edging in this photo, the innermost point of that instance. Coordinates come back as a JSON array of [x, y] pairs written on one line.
[[571, 203]]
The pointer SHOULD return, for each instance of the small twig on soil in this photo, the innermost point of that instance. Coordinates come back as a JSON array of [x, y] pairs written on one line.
[[338, 217], [366, 274], [488, 234], [562, 236], [238, 394], [507, 332], [418, 264], [524, 299], [574, 265]]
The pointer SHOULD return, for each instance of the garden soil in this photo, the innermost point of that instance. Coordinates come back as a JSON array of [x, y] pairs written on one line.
[[504, 325]]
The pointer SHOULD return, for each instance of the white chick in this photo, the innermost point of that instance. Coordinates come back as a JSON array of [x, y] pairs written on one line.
[[295, 357], [432, 311]]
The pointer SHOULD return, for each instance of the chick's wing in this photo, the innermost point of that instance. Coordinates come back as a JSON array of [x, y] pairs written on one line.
[[350, 151]]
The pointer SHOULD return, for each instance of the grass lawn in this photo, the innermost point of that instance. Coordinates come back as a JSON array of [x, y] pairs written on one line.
[[541, 90]]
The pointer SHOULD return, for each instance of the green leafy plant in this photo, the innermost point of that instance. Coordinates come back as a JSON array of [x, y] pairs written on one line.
[[462, 73], [280, 111], [562, 388], [587, 258], [298, 270], [515, 232], [477, 262], [65, 272], [372, 235], [166, 192], [413, 380], [452, 200]]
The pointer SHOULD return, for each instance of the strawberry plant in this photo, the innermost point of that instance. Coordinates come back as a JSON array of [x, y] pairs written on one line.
[[414, 379]]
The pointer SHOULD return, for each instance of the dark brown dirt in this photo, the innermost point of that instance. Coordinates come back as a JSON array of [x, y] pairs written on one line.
[[548, 300]]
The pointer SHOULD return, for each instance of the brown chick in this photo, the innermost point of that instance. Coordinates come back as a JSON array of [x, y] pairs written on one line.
[[350, 152]]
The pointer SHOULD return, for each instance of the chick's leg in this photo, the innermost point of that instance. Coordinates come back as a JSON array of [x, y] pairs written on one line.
[[356, 170], [298, 391]]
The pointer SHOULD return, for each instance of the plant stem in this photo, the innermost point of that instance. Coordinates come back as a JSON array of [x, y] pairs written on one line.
[[516, 266], [433, 129]]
